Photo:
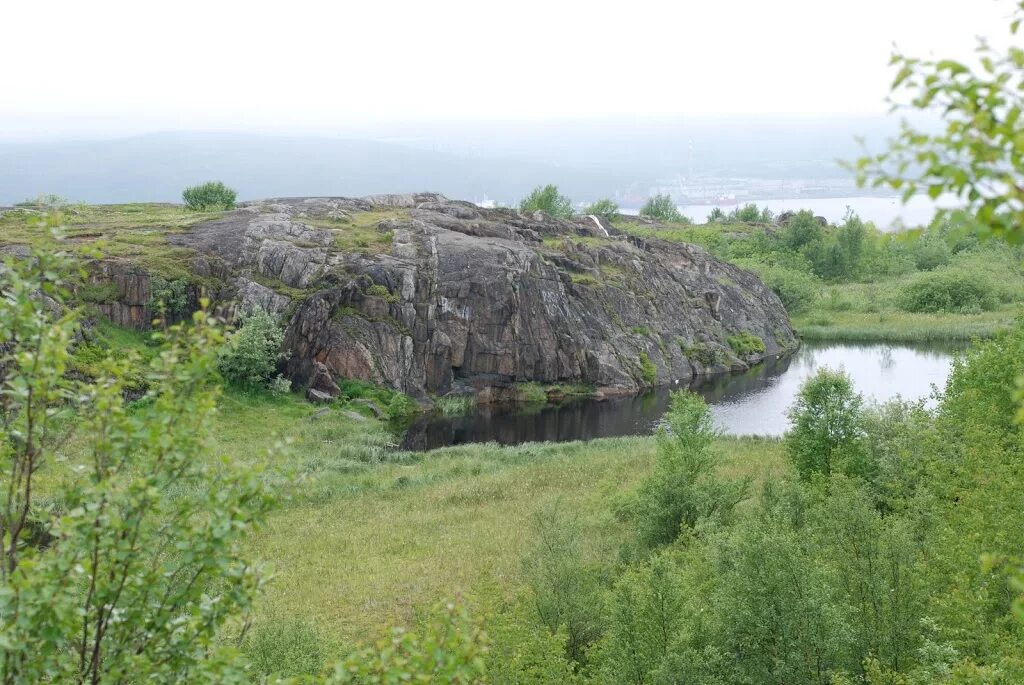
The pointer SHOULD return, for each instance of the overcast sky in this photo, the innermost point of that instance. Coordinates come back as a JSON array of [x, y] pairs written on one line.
[[74, 67]]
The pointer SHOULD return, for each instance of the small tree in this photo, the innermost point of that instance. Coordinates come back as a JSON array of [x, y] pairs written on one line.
[[683, 488], [605, 209], [131, 566], [662, 208], [717, 216], [209, 196], [547, 199], [251, 355], [827, 433]]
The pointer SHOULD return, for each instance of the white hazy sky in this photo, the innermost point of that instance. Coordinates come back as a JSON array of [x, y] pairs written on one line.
[[75, 66]]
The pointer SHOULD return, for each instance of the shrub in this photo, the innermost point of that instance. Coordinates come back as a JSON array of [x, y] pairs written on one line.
[[648, 371], [948, 290], [931, 252], [827, 432], [378, 290], [717, 216], [662, 208], [250, 357], [169, 298], [746, 343], [548, 200], [565, 588], [605, 209], [748, 213], [797, 290], [707, 354], [149, 568], [683, 488], [280, 386], [98, 292], [208, 196]]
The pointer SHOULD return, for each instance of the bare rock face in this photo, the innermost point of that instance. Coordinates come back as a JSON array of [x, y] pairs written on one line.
[[425, 295]]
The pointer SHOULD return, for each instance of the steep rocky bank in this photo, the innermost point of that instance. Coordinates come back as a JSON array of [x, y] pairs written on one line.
[[429, 295]]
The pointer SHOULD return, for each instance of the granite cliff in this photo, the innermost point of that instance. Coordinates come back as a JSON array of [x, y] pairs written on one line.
[[430, 296]]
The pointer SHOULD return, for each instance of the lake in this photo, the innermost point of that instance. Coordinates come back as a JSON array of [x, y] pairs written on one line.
[[750, 403], [887, 213]]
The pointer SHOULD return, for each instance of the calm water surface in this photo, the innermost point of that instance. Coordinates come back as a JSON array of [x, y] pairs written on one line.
[[752, 403]]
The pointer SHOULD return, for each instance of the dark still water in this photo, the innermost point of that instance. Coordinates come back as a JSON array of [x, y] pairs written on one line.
[[752, 403]]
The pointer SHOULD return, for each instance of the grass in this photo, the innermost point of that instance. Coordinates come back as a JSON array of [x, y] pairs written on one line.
[[399, 536], [136, 232], [869, 312], [902, 327], [361, 232]]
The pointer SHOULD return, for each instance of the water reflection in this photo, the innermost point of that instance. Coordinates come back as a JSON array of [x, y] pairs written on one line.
[[754, 402]]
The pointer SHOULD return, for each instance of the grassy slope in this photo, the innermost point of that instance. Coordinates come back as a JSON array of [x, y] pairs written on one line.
[[848, 311], [357, 545]]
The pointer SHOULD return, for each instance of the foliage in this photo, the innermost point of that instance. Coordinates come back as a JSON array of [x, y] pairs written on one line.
[[748, 213], [648, 371], [450, 648], [169, 298], [745, 344], [547, 199], [948, 290], [826, 432], [380, 400], [523, 651], [97, 292], [251, 355], [661, 208], [208, 196], [681, 490], [605, 209], [645, 612], [716, 216], [798, 290], [454, 405], [132, 566], [977, 155], [707, 354], [564, 586]]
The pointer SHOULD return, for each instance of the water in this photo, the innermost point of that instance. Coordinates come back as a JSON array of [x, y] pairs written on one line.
[[887, 213], [751, 403]]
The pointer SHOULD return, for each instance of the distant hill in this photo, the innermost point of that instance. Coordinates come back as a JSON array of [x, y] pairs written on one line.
[[157, 167]]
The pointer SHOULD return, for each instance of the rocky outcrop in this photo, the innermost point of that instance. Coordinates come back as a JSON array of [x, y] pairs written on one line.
[[428, 295]]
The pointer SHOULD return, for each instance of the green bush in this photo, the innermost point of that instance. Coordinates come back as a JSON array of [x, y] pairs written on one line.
[[930, 252], [746, 343], [798, 290], [547, 199], [707, 354], [566, 590], [683, 488], [827, 427], [98, 292], [648, 371], [250, 357], [948, 290], [209, 196], [605, 209], [169, 298], [662, 208]]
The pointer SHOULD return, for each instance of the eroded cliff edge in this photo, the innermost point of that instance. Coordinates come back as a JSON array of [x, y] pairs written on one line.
[[429, 295]]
